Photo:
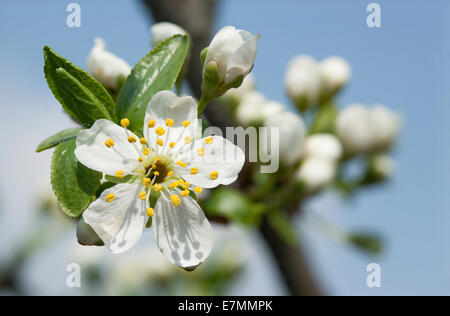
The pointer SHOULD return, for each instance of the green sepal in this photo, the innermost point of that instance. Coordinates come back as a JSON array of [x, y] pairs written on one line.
[[128, 179], [86, 236], [203, 54]]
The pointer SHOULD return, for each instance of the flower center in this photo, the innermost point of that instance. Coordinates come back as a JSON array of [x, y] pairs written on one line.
[[159, 172]]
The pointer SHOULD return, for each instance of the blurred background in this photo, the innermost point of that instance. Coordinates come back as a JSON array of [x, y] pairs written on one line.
[[403, 64]]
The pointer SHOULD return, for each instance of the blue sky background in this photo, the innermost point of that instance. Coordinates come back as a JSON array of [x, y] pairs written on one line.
[[404, 64]]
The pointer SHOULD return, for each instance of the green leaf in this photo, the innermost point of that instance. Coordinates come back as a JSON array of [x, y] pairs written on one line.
[[368, 242], [231, 204], [85, 104], [283, 226], [157, 71], [74, 185], [324, 122], [101, 97], [58, 138]]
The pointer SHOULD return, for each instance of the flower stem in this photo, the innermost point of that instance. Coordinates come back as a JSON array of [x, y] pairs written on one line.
[[202, 104]]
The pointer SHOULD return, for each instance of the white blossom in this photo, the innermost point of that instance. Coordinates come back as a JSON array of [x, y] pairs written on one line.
[[255, 108], [105, 66], [316, 172], [323, 145], [362, 129], [166, 161], [292, 131], [164, 30], [302, 81], [335, 72], [233, 51], [386, 124]]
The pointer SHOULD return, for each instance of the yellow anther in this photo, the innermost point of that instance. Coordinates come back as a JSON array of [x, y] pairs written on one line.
[[146, 151], [147, 181], [125, 122], [170, 173], [186, 185], [181, 163], [143, 141], [169, 122], [140, 159], [194, 170], [160, 142], [156, 173], [184, 193], [158, 159], [186, 123], [131, 139], [209, 140], [188, 140], [175, 200], [110, 197], [158, 187], [109, 143], [172, 144], [150, 212], [151, 123], [198, 190], [201, 151], [153, 166], [175, 184], [160, 131], [119, 174], [214, 175], [143, 195]]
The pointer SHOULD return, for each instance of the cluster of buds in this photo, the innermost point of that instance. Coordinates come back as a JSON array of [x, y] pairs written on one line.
[[310, 83], [363, 129]]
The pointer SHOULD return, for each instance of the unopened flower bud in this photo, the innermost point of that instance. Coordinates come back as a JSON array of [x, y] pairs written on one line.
[[302, 81], [229, 58], [105, 66], [164, 30]]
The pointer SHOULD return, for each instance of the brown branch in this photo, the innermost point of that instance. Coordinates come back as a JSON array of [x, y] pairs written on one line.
[[197, 17]]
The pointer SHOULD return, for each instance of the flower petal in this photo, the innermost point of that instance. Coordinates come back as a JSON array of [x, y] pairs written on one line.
[[167, 105], [220, 156], [242, 60], [92, 152], [183, 233], [222, 46], [119, 223]]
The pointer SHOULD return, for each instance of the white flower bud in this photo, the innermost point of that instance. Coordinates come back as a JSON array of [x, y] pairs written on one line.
[[106, 67], [383, 166], [238, 94], [316, 172], [292, 133], [363, 130], [355, 129], [233, 52], [164, 30], [254, 109], [335, 72], [386, 124], [249, 110], [323, 145], [302, 81]]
